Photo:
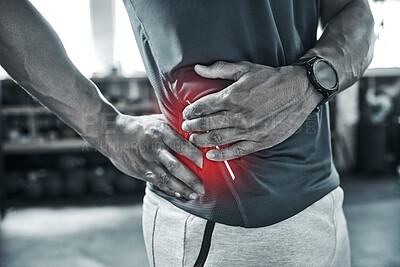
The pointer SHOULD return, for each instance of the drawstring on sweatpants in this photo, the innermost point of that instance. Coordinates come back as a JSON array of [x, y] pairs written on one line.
[[205, 245]]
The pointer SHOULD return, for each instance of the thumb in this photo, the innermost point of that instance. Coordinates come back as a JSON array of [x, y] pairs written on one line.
[[221, 70]]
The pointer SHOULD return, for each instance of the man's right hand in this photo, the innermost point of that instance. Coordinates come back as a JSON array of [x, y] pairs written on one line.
[[34, 56], [141, 146]]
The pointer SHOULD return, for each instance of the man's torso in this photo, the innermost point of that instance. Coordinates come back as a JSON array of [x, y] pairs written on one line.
[[271, 185]]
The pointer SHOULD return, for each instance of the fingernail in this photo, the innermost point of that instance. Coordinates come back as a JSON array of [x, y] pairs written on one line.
[[210, 155], [191, 138], [201, 191], [184, 126], [200, 163], [177, 194], [199, 66], [193, 196]]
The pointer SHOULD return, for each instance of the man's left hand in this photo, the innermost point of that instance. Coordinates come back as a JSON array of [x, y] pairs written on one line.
[[261, 108]]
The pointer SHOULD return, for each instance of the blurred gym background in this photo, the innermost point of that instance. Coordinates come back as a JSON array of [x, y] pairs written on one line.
[[63, 203]]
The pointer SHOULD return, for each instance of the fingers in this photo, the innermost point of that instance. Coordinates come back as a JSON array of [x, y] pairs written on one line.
[[211, 103], [181, 146], [218, 137], [180, 171], [168, 183], [153, 178], [223, 70], [213, 122], [206, 105], [234, 151]]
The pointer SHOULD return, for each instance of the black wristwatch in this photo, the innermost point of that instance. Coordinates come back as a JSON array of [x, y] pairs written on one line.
[[322, 76]]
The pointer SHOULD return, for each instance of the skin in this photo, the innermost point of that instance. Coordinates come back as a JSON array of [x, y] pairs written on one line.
[[139, 146], [263, 107]]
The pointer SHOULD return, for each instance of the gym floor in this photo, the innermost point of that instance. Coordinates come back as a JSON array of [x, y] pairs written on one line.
[[111, 236]]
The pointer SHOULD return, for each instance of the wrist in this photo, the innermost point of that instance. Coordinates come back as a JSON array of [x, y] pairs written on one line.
[[97, 124], [322, 75], [78, 103], [311, 98]]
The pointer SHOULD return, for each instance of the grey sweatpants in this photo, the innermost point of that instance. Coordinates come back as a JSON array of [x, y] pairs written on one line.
[[317, 236]]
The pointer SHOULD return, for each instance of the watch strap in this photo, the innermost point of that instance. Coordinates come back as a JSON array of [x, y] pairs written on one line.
[[308, 64]]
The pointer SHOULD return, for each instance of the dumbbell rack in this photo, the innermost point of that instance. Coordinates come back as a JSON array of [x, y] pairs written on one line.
[[141, 101], [2, 179]]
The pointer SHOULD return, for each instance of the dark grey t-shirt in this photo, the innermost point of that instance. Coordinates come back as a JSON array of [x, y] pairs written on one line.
[[273, 184]]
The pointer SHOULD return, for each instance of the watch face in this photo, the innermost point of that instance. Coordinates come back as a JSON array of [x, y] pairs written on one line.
[[325, 75]]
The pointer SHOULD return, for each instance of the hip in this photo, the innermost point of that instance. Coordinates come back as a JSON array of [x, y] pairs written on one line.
[[316, 236]]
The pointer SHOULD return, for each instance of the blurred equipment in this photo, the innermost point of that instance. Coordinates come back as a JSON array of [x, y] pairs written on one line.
[[44, 162], [16, 183], [372, 147], [76, 183], [71, 162], [396, 137], [378, 137], [99, 182], [53, 184], [34, 188], [123, 183], [397, 190]]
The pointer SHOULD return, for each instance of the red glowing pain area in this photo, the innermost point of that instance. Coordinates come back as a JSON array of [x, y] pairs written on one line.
[[187, 87]]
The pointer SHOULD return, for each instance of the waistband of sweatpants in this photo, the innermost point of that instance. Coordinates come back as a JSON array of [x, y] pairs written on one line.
[[337, 194]]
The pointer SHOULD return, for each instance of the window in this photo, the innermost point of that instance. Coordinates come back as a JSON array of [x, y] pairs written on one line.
[[126, 52], [387, 22], [71, 20]]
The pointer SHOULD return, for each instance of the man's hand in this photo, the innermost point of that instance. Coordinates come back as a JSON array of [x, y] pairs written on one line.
[[141, 147], [263, 107]]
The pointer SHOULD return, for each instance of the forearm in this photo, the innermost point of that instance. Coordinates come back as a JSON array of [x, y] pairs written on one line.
[[33, 55], [347, 42]]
